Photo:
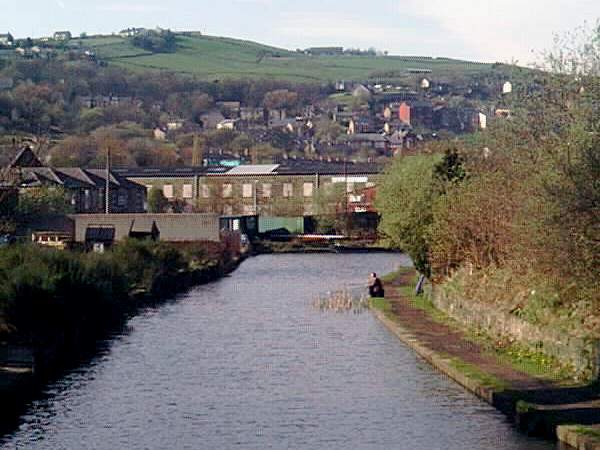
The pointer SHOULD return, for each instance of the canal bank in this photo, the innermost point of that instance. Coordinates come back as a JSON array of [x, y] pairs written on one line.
[[29, 360], [249, 362], [538, 402]]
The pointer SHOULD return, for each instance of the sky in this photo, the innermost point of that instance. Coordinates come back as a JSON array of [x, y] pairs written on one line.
[[481, 30]]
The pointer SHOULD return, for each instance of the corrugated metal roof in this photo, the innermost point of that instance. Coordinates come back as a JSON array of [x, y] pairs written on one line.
[[253, 169]]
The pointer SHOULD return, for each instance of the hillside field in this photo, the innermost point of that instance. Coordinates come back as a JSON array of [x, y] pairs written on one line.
[[214, 58]]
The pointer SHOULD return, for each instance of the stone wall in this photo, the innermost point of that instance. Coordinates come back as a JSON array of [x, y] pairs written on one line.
[[582, 354]]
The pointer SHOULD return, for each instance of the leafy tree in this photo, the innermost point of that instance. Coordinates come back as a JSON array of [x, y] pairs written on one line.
[[328, 130], [329, 208], [163, 41], [157, 202], [280, 99], [43, 201], [405, 199]]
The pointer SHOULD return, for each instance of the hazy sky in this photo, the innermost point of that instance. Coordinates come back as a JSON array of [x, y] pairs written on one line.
[[483, 30]]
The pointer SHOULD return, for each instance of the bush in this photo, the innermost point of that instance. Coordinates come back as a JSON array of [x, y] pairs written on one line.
[[405, 199]]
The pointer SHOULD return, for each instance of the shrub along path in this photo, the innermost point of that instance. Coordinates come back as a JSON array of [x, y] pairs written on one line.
[[537, 405]]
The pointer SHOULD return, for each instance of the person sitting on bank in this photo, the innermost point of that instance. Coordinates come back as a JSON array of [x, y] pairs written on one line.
[[375, 286]]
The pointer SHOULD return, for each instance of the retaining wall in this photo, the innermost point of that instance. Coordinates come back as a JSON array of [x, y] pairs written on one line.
[[582, 354]]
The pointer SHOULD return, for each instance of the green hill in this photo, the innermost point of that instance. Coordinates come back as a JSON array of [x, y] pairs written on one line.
[[211, 58]]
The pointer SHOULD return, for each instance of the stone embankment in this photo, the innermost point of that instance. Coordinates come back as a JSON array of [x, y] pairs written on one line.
[[538, 406]]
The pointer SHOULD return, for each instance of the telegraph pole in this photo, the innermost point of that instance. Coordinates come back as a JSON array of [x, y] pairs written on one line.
[[107, 188], [346, 212]]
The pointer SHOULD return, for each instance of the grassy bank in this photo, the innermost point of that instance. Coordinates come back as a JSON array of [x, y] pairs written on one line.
[[211, 57], [517, 356], [56, 301]]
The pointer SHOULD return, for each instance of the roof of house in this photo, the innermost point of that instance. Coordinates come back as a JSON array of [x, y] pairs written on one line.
[[25, 158], [160, 172], [366, 137], [74, 177], [312, 167], [143, 225], [253, 169]]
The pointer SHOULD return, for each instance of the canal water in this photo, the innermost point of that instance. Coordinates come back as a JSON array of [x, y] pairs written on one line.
[[249, 363]]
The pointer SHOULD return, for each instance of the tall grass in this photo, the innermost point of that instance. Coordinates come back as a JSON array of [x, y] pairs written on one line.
[[47, 294]]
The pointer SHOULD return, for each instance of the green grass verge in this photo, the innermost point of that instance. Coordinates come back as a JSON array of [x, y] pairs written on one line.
[[475, 373], [519, 357], [392, 276], [211, 58]]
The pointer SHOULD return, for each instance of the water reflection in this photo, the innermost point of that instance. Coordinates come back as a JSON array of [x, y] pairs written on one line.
[[248, 362]]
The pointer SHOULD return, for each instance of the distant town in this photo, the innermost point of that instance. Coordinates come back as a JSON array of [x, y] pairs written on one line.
[[232, 147]]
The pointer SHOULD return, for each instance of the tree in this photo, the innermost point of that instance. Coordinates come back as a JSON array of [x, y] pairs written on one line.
[[405, 199], [329, 208], [328, 130], [43, 201], [280, 99], [157, 202]]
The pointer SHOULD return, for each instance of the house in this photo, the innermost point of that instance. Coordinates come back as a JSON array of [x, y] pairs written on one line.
[[482, 121], [232, 108], [227, 124], [362, 92], [340, 86], [7, 40], [360, 125], [175, 124], [416, 113], [211, 119], [130, 32], [290, 125], [250, 114], [160, 134], [505, 113], [62, 36], [84, 188], [358, 141], [459, 120], [507, 88]]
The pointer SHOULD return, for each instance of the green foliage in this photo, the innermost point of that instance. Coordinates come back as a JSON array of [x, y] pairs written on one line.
[[475, 373], [46, 293], [405, 199], [163, 41], [211, 58], [329, 207], [157, 202], [35, 202]]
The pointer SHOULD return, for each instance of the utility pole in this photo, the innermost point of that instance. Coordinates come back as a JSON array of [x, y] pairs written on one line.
[[346, 212], [255, 197], [107, 187]]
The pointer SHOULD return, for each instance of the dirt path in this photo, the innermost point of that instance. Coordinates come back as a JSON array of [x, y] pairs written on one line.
[[444, 339]]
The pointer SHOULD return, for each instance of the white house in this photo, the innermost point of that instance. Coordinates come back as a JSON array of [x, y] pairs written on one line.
[[62, 36], [507, 88], [227, 124], [159, 134], [482, 121], [7, 39]]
